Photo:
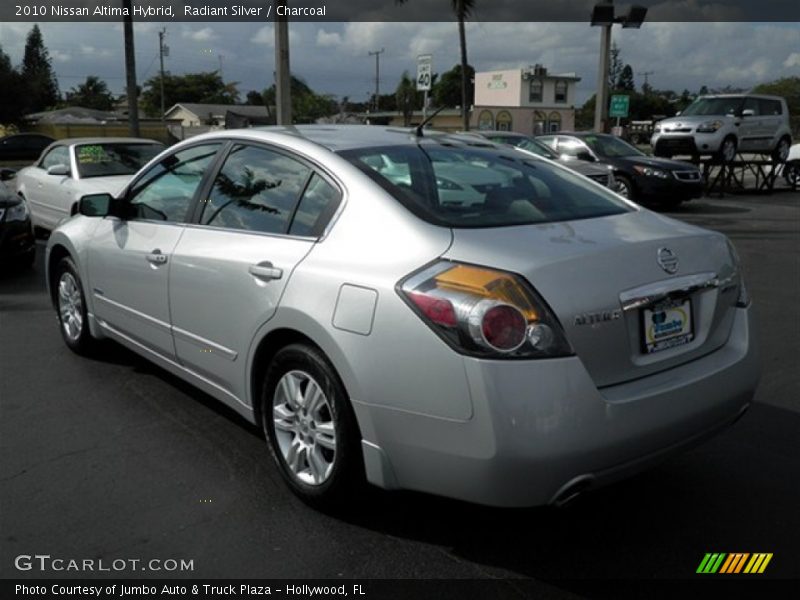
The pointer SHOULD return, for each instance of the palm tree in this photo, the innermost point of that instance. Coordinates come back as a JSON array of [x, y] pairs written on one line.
[[406, 96], [463, 10]]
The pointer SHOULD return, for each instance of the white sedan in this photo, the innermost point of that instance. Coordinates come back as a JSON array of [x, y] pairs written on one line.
[[71, 168]]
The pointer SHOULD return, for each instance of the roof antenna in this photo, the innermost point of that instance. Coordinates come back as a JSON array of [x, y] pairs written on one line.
[[418, 131]]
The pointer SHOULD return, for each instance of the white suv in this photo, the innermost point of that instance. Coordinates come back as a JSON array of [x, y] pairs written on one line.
[[723, 125]]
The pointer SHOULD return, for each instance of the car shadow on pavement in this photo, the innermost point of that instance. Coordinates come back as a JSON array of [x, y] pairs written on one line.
[[732, 494]]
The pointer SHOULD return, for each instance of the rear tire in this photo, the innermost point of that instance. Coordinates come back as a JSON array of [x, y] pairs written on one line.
[[781, 151], [310, 427], [71, 308]]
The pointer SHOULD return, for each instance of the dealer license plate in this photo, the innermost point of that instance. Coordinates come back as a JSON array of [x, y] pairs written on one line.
[[667, 325]]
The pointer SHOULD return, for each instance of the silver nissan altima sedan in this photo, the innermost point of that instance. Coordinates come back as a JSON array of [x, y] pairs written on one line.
[[415, 310]]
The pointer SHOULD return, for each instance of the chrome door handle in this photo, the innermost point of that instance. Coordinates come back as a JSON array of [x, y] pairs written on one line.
[[265, 271], [156, 258]]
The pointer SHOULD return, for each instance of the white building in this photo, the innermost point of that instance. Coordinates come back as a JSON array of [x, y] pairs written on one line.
[[530, 100]]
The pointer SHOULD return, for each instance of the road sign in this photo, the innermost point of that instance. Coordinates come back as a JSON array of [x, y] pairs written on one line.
[[424, 72], [619, 106]]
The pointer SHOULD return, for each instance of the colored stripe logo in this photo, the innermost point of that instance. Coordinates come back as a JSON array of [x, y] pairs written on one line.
[[734, 562]]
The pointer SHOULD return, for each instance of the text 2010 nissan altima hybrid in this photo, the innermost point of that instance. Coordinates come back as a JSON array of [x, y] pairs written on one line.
[[414, 310]]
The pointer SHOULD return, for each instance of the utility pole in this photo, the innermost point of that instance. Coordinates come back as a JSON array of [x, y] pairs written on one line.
[[130, 71], [645, 87], [283, 80], [601, 101], [163, 51], [377, 55]]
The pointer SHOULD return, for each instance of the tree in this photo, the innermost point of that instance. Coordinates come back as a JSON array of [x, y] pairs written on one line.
[[254, 98], [406, 95], [615, 67], [11, 108], [625, 79], [37, 73], [447, 89], [202, 88], [307, 106], [92, 93], [463, 10]]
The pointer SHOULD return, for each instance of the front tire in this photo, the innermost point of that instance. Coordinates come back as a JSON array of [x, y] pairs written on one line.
[[71, 307], [791, 172], [310, 427], [727, 150], [624, 187]]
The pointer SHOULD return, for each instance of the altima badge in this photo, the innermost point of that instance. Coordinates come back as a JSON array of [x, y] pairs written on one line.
[[668, 260]]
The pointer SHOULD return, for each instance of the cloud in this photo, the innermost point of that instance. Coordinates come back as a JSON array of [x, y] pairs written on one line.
[[265, 36], [328, 40], [60, 57], [206, 34], [793, 60]]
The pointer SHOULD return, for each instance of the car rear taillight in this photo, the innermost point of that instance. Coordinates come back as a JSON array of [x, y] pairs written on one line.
[[484, 312]]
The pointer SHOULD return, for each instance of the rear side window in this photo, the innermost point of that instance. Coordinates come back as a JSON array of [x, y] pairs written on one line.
[[256, 190], [317, 206], [770, 107], [469, 187]]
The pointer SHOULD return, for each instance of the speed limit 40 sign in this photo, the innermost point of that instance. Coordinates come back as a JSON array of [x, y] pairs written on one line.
[[424, 72]]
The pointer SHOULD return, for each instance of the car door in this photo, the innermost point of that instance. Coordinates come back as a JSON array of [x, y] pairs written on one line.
[[44, 191], [750, 127], [130, 258], [260, 217], [771, 120]]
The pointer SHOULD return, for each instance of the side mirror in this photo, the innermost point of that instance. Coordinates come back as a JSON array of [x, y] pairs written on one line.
[[6, 174], [584, 155], [95, 205], [61, 170], [748, 112]]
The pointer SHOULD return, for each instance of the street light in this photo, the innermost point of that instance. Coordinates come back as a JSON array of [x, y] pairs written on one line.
[[603, 16]]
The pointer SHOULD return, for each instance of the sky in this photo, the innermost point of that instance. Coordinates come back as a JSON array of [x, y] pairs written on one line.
[[333, 57]]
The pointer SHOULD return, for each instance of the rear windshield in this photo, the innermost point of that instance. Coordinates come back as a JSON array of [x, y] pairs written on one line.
[[469, 187], [105, 160]]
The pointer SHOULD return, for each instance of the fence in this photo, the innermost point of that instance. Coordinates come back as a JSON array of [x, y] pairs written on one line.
[[155, 131]]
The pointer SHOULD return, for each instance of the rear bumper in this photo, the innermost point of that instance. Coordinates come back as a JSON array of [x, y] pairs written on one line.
[[540, 426]]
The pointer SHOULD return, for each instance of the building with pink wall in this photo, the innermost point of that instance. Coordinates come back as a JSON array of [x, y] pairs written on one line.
[[529, 100]]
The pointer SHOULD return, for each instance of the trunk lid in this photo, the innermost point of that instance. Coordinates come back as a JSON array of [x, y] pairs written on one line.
[[603, 280]]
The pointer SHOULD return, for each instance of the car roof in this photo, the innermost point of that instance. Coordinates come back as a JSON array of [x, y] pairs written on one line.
[[742, 95], [338, 138], [105, 140]]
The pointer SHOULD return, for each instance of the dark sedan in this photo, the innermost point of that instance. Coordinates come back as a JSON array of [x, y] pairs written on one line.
[[23, 146], [599, 172], [17, 244], [639, 177]]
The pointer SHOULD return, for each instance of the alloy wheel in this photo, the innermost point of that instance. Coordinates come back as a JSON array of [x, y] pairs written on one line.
[[70, 306], [304, 427], [728, 150]]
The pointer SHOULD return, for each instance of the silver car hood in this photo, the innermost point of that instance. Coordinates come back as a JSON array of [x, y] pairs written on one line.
[[585, 270]]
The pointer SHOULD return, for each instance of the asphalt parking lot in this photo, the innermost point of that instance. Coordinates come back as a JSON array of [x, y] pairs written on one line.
[[114, 458]]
